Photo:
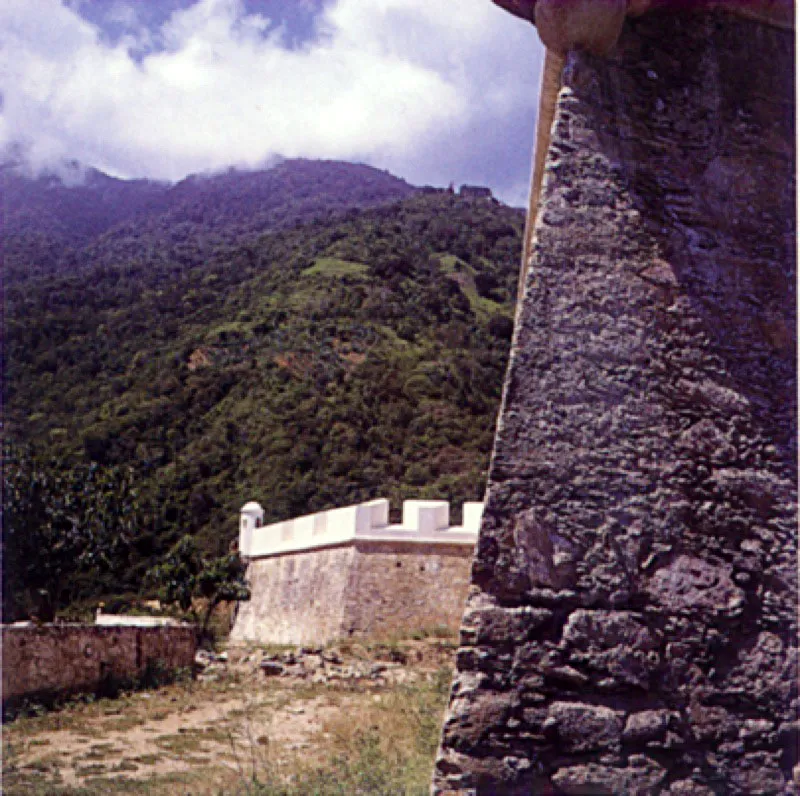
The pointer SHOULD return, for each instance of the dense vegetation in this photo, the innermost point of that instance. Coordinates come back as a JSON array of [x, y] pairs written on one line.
[[357, 356], [50, 225]]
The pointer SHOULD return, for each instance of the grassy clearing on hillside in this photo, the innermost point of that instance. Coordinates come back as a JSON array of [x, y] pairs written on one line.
[[464, 275], [333, 266]]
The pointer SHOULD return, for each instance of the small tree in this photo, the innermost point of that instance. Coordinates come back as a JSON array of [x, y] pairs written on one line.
[[174, 578], [67, 530], [222, 581], [185, 574]]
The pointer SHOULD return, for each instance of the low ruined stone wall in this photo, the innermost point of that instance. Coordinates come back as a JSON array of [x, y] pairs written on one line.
[[50, 660], [362, 588]]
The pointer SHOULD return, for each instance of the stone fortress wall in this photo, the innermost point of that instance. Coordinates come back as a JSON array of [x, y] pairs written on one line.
[[349, 572], [43, 661], [632, 622]]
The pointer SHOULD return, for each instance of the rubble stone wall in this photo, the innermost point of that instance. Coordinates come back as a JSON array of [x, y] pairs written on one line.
[[49, 660], [632, 624], [362, 588]]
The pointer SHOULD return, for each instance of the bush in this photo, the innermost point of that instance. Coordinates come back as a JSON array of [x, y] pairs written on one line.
[[501, 327]]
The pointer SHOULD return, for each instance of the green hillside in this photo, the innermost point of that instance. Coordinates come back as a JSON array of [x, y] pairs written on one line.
[[50, 226], [347, 359]]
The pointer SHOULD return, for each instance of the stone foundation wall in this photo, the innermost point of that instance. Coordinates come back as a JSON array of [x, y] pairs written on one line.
[[398, 588], [633, 621], [363, 588], [296, 598], [50, 660]]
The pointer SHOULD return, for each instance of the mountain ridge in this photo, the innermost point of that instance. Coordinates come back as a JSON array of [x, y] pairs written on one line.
[[48, 222]]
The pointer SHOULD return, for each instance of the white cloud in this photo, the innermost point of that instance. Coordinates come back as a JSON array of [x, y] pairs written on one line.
[[433, 91]]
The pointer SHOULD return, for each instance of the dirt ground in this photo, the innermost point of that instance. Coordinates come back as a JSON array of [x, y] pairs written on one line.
[[217, 734]]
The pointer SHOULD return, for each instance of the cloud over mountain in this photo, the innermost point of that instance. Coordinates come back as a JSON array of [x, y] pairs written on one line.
[[432, 91]]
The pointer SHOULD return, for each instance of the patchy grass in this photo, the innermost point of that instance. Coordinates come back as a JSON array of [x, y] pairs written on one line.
[[125, 765], [245, 734], [146, 760], [89, 770], [334, 267], [100, 751], [182, 742], [385, 745], [442, 632]]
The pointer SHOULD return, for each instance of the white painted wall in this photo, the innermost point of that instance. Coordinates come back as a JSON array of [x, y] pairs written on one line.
[[128, 620], [424, 522], [473, 514]]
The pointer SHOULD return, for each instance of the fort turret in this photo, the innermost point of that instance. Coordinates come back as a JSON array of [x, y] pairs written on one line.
[[349, 571]]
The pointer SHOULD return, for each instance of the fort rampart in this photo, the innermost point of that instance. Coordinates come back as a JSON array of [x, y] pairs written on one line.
[[348, 572], [632, 624]]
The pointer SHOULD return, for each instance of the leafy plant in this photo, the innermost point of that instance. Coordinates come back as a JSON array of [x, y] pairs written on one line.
[[62, 526], [186, 575]]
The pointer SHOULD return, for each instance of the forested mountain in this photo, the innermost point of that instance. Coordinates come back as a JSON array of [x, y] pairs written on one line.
[[47, 221], [153, 388]]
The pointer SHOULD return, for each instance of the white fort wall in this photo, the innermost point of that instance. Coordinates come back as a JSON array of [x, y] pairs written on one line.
[[349, 572], [424, 521]]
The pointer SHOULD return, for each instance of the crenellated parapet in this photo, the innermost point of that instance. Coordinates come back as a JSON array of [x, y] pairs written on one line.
[[424, 522]]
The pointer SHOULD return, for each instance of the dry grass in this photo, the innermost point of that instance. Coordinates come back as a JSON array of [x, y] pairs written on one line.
[[244, 735]]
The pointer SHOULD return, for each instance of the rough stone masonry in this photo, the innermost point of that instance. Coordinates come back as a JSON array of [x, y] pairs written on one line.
[[632, 621], [41, 662]]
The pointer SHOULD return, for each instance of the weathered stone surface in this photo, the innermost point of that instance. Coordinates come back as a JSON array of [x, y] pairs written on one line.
[[758, 774], [766, 672], [272, 668], [489, 623], [711, 724], [646, 725], [584, 728], [472, 719], [642, 778], [301, 597], [363, 588], [689, 585], [41, 661], [688, 787], [615, 644], [643, 487]]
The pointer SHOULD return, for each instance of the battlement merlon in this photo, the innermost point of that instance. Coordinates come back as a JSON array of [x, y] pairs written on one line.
[[423, 522]]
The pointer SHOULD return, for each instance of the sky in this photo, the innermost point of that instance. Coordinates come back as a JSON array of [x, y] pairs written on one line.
[[435, 91]]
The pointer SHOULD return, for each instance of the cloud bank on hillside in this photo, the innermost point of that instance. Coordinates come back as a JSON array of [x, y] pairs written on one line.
[[432, 91]]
